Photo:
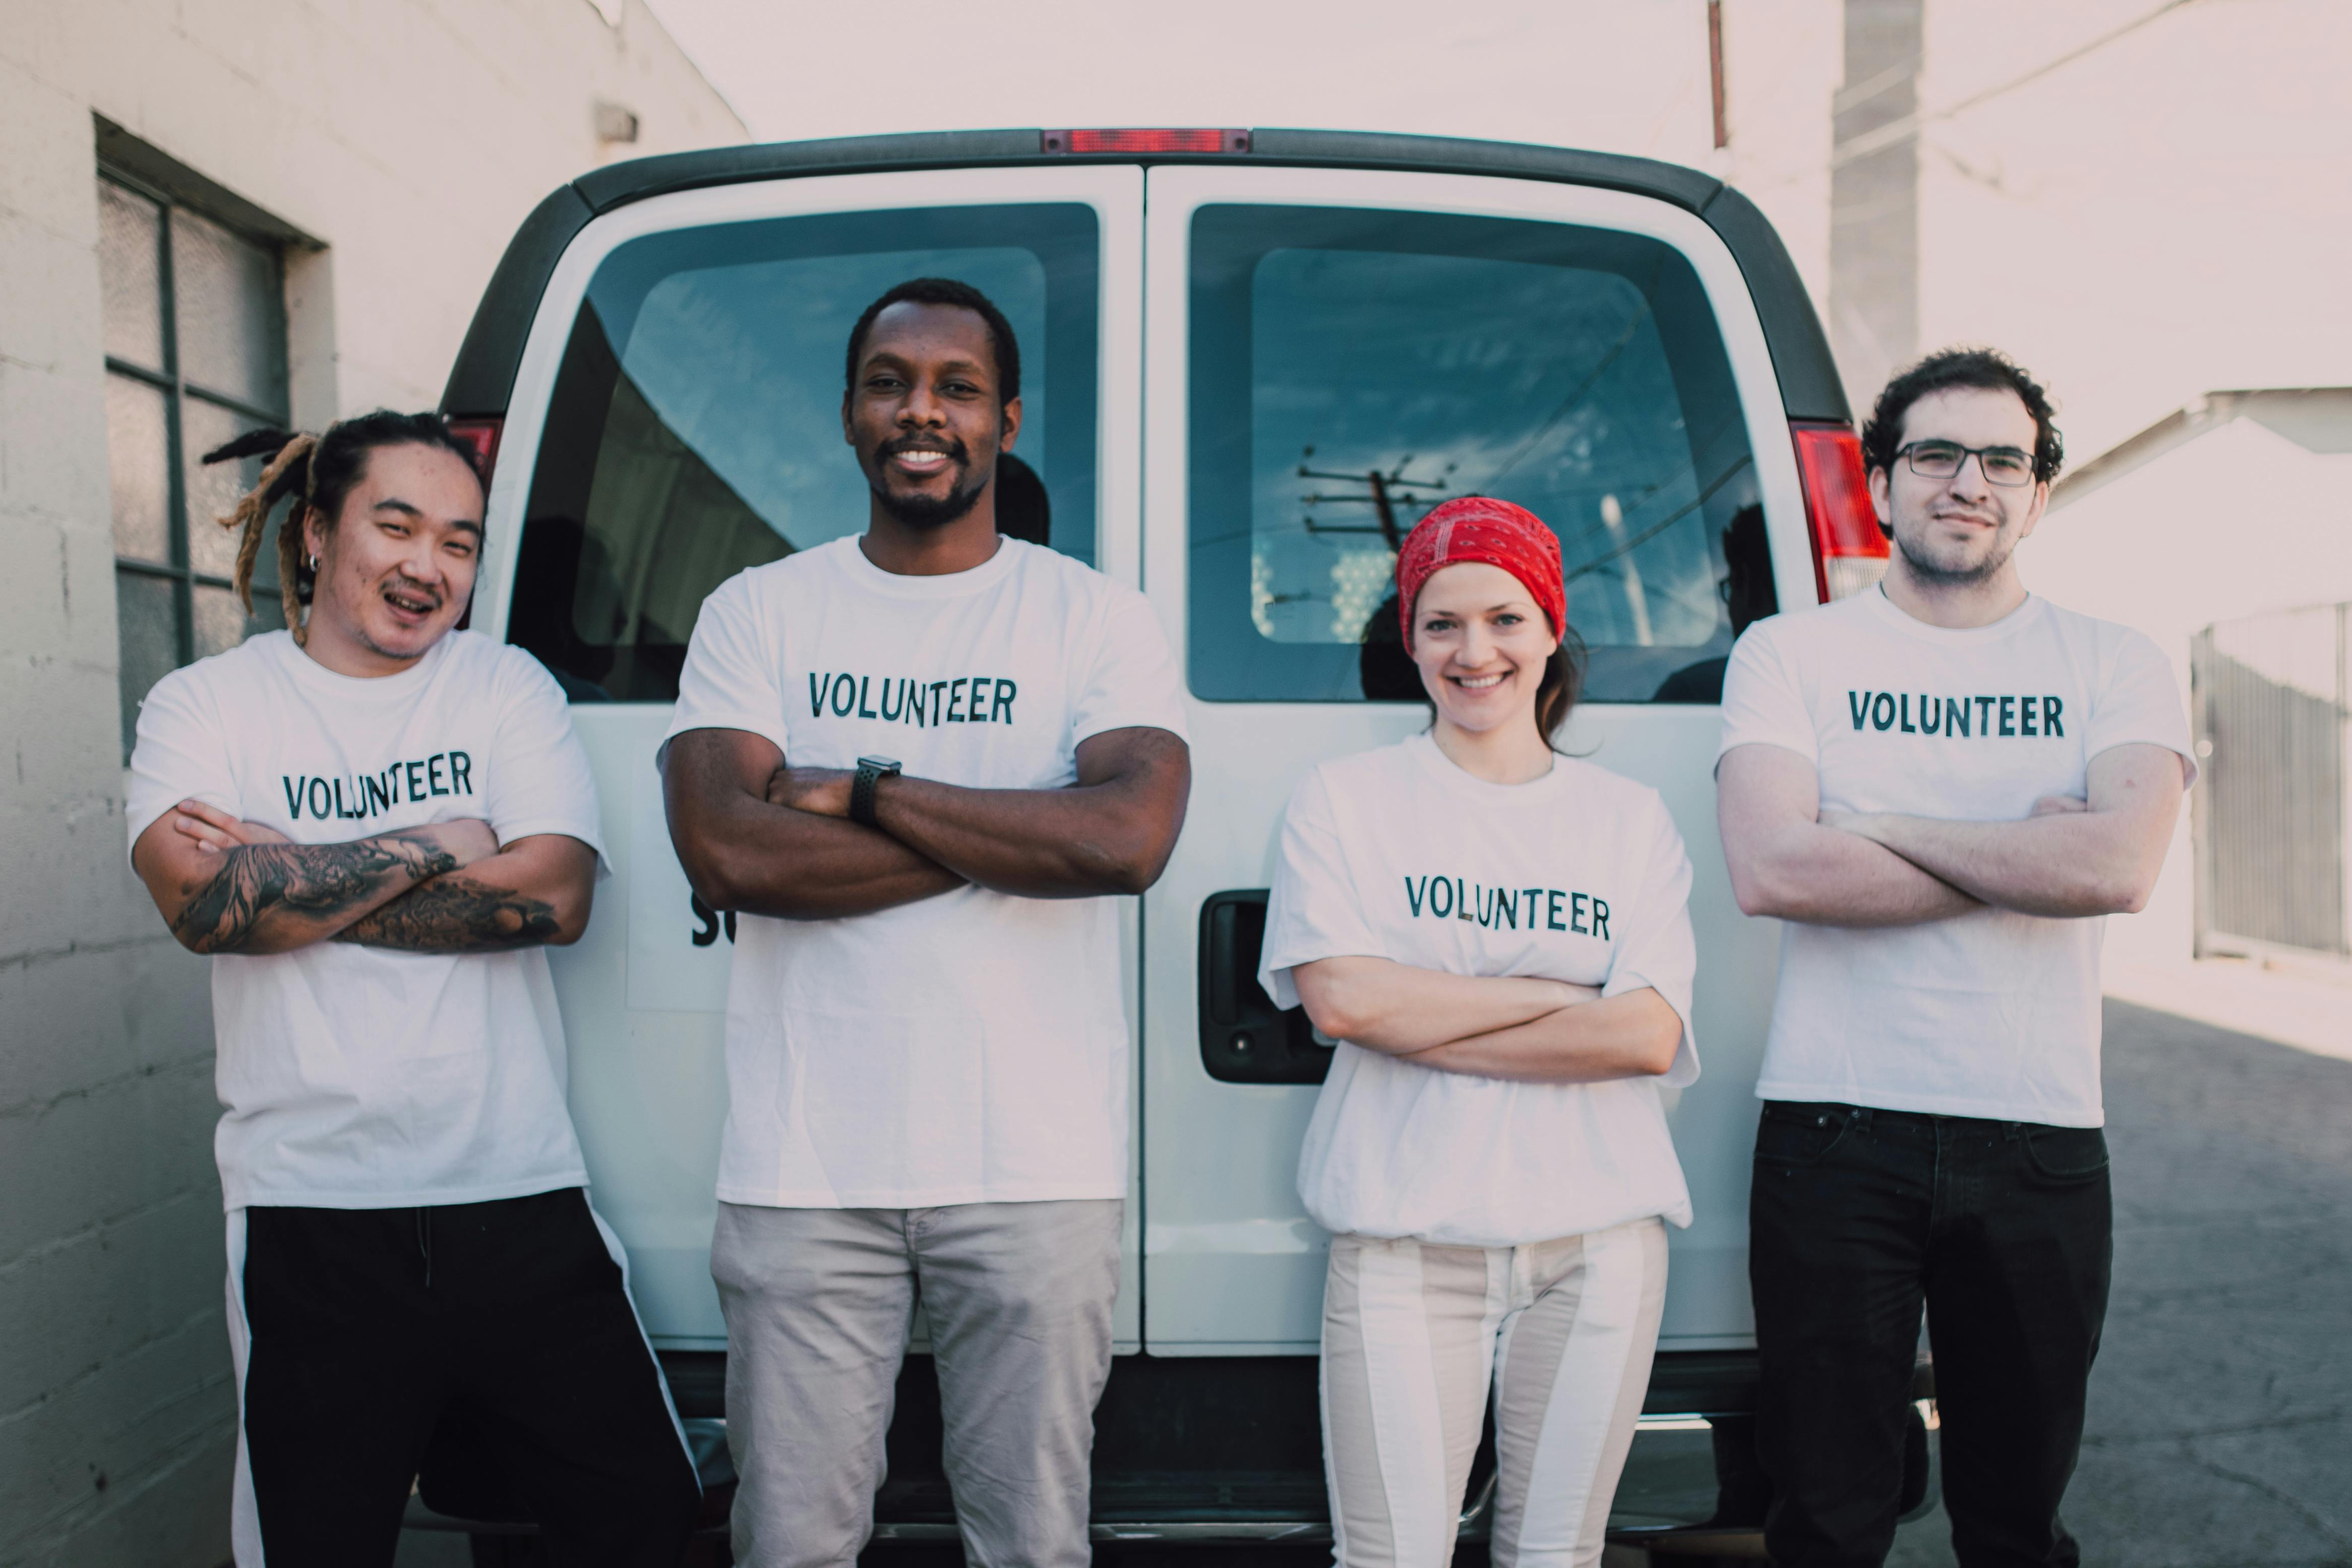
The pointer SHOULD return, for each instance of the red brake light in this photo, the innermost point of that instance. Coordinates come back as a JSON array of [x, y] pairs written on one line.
[[1159, 141], [1849, 547], [482, 435]]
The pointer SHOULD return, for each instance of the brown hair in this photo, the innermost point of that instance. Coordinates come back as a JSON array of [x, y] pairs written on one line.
[[319, 472], [1563, 684]]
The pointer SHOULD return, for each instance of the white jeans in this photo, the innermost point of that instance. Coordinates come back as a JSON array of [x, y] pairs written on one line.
[[1416, 1335]]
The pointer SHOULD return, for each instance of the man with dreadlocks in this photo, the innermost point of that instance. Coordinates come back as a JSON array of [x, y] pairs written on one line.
[[374, 824]]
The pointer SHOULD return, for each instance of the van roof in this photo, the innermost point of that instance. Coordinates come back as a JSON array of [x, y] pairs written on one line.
[[482, 379]]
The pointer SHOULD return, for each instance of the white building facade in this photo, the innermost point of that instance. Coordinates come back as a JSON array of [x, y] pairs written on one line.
[[211, 216]]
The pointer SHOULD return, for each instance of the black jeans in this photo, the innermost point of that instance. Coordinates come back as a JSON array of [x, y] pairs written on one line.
[[373, 1328], [2005, 1229]]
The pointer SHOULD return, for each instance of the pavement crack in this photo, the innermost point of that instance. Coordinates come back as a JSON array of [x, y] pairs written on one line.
[[2277, 1494]]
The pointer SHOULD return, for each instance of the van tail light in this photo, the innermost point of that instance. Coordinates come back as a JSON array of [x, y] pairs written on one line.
[[1849, 547], [482, 435], [1188, 139]]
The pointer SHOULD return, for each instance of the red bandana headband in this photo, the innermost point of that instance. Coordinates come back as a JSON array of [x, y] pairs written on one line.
[[1480, 528]]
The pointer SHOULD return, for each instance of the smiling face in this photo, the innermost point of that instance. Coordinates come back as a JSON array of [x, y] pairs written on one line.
[[397, 569], [923, 414], [1481, 645], [1961, 531]]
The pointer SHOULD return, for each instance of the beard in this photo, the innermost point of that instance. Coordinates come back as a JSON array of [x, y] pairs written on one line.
[[924, 513], [1945, 573]]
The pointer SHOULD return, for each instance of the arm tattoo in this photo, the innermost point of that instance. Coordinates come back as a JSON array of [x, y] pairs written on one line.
[[453, 915], [309, 881]]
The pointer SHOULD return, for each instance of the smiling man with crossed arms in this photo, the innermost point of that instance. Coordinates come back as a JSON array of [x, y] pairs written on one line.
[[1942, 786], [926, 1047], [374, 824]]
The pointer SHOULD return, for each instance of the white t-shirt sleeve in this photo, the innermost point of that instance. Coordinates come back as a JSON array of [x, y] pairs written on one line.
[[182, 753], [1313, 909], [1656, 948], [1762, 700], [1132, 680], [732, 678], [540, 781], [2140, 705]]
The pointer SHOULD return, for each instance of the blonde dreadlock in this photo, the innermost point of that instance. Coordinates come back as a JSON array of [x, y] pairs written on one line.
[[319, 471]]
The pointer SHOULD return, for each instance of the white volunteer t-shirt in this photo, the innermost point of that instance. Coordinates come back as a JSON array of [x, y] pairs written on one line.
[[1579, 876], [969, 1047], [1992, 1013], [359, 1077]]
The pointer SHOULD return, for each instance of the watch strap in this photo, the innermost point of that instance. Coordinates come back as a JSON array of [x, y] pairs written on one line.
[[871, 770]]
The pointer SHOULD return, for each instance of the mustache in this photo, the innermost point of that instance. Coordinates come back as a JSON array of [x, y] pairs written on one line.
[[402, 582]]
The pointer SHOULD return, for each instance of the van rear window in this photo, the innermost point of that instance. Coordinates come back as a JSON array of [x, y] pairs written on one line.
[[695, 427], [1352, 368]]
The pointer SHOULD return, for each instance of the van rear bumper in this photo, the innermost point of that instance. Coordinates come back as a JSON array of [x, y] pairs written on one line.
[[1230, 1448]]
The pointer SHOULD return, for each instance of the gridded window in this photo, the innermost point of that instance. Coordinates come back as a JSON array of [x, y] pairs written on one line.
[[195, 354]]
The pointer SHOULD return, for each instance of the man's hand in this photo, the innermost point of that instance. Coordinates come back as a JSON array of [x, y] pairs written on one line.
[[227, 886], [1109, 832], [215, 830], [821, 792], [744, 847], [2071, 857], [535, 892], [1790, 859]]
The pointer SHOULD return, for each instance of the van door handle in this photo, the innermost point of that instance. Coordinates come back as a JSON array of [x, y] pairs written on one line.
[[1244, 1037], [1221, 962]]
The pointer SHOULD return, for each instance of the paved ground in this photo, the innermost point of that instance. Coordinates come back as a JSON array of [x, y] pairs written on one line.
[[2220, 1422]]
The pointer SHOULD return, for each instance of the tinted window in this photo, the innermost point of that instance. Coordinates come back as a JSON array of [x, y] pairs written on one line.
[[1352, 368], [695, 428]]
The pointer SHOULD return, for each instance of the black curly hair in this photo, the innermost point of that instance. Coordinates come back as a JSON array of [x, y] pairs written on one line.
[[1988, 368]]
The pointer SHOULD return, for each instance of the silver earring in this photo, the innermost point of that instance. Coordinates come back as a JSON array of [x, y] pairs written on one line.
[[314, 564]]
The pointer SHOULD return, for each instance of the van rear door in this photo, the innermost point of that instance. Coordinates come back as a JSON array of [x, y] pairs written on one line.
[[675, 419], [1329, 353]]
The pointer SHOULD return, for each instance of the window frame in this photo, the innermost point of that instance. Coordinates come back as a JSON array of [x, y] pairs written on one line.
[[571, 466], [173, 382], [1177, 191], [1230, 242], [1114, 189]]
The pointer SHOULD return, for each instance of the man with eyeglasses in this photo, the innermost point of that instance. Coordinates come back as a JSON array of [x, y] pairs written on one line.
[[1943, 784]]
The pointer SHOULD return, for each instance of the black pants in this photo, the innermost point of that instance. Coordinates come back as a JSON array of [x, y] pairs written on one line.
[[370, 1327], [2004, 1228]]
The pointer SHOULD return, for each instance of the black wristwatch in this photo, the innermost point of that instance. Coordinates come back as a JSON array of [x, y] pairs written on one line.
[[870, 771]]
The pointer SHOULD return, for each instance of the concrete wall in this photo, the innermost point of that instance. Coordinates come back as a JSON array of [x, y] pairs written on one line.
[[410, 137]]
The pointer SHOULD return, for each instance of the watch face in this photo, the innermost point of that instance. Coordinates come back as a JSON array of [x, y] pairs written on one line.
[[886, 765]]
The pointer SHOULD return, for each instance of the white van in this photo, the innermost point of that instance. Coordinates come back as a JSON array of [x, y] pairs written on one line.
[[1251, 358]]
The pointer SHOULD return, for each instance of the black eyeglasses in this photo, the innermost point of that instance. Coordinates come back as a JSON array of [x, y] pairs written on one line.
[[1942, 459]]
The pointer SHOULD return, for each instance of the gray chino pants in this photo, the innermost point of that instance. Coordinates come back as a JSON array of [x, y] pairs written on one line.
[[818, 1302]]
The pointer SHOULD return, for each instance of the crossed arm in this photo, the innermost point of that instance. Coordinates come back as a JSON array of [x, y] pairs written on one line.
[[227, 886], [758, 836], [2096, 855], [1506, 1026]]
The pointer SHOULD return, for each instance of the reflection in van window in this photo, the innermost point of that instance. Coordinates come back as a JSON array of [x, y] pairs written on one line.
[[1351, 368], [694, 425]]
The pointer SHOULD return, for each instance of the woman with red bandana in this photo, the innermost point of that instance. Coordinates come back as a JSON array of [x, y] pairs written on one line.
[[1499, 937]]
